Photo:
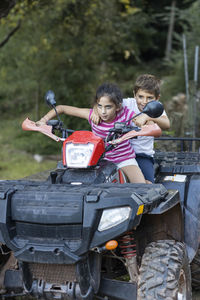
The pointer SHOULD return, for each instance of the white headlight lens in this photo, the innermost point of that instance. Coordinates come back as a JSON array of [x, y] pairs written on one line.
[[114, 216], [78, 155]]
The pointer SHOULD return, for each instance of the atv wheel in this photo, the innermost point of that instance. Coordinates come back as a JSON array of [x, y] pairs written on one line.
[[195, 271], [164, 272]]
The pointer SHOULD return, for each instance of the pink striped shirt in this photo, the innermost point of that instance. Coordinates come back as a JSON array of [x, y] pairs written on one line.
[[124, 150]]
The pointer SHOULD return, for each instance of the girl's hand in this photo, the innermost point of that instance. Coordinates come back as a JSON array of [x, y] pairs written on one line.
[[95, 116], [41, 122]]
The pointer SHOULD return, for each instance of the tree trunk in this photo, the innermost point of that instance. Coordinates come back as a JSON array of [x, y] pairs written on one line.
[[170, 31]]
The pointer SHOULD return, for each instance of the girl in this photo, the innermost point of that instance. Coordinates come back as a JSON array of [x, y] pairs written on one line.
[[108, 101]]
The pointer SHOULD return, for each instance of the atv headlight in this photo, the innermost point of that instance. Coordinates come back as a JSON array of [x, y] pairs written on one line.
[[78, 155], [113, 216]]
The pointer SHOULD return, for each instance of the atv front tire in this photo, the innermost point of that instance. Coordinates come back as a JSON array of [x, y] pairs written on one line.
[[165, 272], [195, 270]]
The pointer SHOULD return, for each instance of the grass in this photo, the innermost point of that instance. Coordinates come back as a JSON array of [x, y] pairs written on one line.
[[16, 165], [18, 148]]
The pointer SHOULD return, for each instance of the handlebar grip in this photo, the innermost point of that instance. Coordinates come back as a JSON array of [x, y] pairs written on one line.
[[53, 123]]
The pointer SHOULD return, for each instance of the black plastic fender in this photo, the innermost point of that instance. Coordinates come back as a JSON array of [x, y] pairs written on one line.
[[190, 202]]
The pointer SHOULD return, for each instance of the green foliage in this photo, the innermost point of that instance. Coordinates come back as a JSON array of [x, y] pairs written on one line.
[[72, 46]]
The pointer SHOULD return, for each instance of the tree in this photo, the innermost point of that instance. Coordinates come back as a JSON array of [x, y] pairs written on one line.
[[73, 46], [170, 31]]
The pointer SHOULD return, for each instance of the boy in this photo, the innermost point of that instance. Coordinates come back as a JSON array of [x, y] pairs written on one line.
[[146, 89]]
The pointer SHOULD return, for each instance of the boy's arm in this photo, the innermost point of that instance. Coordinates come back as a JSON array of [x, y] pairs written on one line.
[[95, 118], [163, 121], [65, 109]]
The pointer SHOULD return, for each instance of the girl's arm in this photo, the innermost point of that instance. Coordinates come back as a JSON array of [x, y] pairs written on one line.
[[65, 109]]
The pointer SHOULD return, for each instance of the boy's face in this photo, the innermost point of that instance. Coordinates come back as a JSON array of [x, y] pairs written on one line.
[[143, 97], [106, 109]]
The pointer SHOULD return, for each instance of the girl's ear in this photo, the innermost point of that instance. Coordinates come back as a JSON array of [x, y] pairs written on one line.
[[119, 106]]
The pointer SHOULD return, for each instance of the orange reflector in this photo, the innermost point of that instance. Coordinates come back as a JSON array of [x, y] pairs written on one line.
[[140, 209], [111, 245]]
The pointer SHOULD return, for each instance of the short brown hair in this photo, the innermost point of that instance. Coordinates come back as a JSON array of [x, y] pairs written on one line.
[[148, 83]]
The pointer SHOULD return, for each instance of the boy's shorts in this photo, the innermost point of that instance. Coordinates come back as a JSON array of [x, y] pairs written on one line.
[[128, 162], [146, 164]]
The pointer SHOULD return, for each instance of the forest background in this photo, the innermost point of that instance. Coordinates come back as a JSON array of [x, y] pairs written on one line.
[[72, 46]]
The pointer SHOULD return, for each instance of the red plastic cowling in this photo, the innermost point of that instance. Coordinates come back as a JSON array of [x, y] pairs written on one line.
[[85, 137], [121, 177]]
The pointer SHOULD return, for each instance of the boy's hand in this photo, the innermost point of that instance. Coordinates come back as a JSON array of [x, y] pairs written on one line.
[[141, 120], [150, 122], [95, 116]]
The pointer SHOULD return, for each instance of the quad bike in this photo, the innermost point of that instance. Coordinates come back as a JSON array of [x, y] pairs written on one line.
[[86, 233]]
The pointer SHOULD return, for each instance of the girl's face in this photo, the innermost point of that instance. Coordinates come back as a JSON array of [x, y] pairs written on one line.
[[107, 109], [142, 98]]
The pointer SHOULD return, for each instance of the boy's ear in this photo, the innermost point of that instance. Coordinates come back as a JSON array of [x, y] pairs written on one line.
[[158, 97]]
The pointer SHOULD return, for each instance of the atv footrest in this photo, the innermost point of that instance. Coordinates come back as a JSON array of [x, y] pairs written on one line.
[[13, 281], [121, 290]]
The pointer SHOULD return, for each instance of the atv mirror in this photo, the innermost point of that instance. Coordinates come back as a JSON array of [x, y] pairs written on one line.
[[153, 109], [50, 98]]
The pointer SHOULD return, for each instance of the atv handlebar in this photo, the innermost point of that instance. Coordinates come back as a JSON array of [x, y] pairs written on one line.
[[119, 129], [58, 125], [29, 125], [125, 131], [146, 130]]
